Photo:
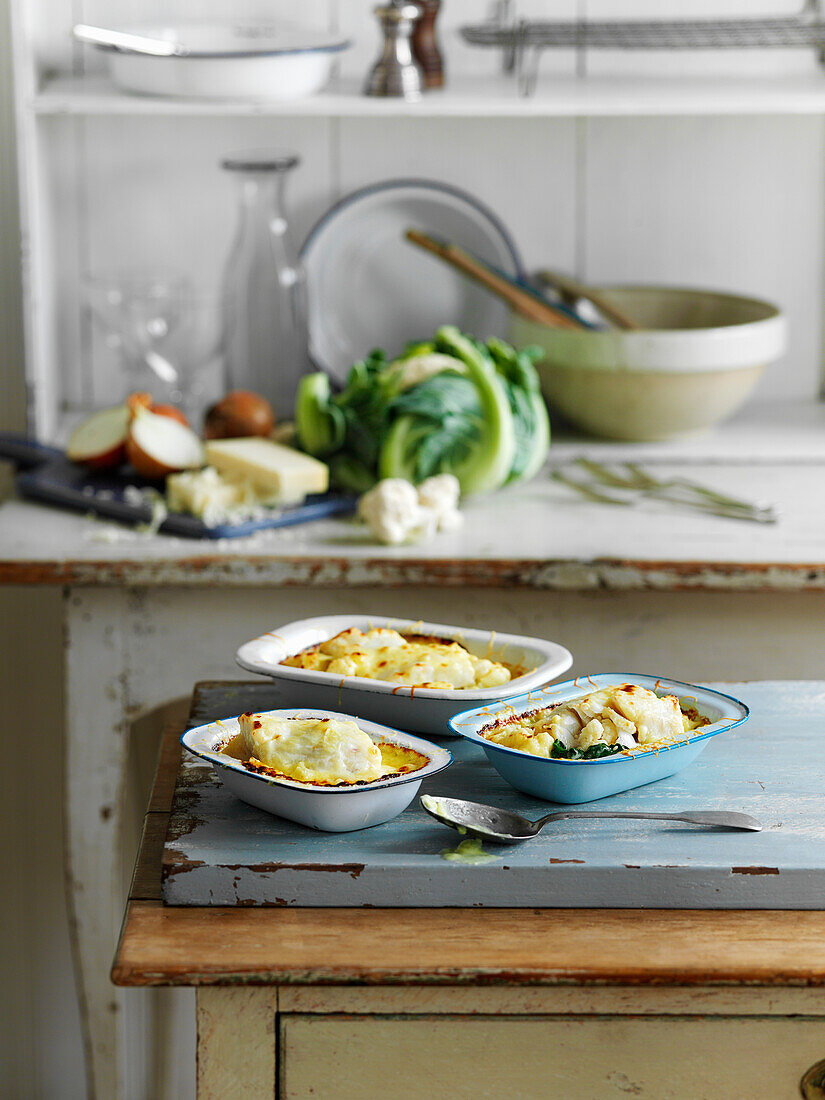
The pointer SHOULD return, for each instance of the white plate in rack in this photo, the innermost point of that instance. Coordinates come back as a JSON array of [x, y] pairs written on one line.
[[370, 288]]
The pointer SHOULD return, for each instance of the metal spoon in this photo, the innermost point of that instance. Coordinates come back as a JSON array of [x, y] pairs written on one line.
[[503, 827]]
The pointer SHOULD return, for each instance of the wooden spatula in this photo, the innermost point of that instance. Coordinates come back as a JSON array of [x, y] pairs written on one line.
[[522, 301], [571, 289]]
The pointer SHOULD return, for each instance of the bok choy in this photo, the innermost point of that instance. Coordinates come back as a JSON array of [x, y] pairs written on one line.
[[453, 405]]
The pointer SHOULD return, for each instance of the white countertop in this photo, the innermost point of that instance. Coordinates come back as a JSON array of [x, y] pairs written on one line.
[[539, 535]]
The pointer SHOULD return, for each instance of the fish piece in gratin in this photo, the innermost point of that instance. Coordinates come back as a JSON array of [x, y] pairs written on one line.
[[311, 750]]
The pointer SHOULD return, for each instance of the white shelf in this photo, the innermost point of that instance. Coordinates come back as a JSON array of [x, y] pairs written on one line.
[[802, 94], [759, 435]]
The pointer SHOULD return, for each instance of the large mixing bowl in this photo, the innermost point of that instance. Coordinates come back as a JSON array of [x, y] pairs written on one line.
[[693, 362]]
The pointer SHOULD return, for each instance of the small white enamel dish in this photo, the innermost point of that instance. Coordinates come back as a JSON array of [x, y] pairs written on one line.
[[217, 60], [423, 710], [340, 809], [575, 781]]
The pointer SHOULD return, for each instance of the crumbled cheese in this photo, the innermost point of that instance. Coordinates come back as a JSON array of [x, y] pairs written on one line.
[[213, 498]]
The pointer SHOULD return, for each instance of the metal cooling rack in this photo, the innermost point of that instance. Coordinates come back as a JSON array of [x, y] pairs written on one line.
[[523, 40]]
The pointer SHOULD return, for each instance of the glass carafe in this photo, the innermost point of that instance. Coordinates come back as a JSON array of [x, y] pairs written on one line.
[[264, 287]]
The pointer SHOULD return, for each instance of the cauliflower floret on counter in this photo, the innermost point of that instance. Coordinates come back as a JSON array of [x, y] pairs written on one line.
[[393, 514], [440, 494], [396, 512]]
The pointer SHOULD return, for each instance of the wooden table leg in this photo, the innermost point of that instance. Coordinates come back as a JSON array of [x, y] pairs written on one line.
[[97, 719], [237, 1055]]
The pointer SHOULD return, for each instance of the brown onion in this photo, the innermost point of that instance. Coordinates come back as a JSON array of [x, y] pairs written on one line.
[[239, 414]]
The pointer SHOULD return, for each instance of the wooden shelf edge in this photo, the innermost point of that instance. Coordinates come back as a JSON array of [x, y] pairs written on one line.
[[468, 97]]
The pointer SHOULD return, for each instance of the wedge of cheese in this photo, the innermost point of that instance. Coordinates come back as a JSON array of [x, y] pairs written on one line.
[[278, 474]]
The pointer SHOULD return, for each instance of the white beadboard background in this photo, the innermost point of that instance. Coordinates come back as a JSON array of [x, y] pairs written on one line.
[[731, 202]]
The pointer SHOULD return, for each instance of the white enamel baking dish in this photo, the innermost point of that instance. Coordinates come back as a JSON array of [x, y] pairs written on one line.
[[420, 710], [224, 60], [330, 809]]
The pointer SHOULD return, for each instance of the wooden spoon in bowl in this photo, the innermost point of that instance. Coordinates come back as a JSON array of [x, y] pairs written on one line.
[[571, 289], [522, 301]]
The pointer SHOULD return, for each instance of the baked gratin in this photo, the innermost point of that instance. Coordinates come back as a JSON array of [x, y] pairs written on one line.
[[623, 719], [416, 660], [327, 752]]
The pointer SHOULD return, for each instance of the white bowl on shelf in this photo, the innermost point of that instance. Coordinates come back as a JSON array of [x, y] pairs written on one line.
[[695, 361], [419, 710], [236, 59]]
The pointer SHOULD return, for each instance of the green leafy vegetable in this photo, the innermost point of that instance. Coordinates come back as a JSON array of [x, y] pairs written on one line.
[[452, 405], [592, 752]]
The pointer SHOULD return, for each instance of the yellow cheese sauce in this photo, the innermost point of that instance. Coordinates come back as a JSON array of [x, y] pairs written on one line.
[[397, 759], [414, 660]]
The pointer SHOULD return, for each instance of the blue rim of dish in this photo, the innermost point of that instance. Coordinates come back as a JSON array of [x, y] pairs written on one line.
[[424, 185], [208, 756], [723, 724]]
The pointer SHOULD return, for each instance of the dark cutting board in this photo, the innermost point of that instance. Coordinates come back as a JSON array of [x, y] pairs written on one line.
[[220, 851], [45, 474]]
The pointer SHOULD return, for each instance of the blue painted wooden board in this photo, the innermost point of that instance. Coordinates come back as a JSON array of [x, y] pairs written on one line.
[[220, 851]]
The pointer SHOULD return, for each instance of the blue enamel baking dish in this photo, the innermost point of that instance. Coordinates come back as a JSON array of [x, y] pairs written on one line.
[[574, 781]]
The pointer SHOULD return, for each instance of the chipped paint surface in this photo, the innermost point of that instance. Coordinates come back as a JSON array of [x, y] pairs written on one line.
[[235, 854], [599, 574]]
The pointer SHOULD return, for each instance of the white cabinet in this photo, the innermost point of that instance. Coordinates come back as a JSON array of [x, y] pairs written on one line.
[[680, 168]]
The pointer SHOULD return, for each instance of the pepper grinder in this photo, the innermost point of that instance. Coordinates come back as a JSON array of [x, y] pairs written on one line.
[[396, 73], [425, 46]]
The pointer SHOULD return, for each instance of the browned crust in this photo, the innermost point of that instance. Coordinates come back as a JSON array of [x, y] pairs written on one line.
[[516, 671]]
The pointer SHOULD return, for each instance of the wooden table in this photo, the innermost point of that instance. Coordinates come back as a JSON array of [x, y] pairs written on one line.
[[452, 1003], [142, 618]]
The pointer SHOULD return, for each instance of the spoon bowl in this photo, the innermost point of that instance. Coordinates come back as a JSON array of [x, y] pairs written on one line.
[[504, 827]]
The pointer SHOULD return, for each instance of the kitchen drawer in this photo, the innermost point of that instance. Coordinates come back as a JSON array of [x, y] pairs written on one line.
[[529, 1057]]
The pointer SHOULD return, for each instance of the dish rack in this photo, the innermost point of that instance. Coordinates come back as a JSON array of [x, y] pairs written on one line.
[[523, 40]]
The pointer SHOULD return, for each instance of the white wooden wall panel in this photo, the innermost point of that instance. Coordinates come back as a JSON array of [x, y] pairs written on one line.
[[524, 170], [157, 198], [732, 203]]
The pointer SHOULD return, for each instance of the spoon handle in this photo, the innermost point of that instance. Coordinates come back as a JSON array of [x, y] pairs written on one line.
[[721, 818]]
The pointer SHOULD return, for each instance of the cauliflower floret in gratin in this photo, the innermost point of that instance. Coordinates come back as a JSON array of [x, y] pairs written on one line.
[[618, 719], [415, 660]]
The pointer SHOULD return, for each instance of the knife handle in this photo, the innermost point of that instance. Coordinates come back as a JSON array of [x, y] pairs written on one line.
[[26, 453]]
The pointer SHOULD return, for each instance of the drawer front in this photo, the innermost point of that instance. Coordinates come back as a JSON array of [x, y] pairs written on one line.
[[527, 1058]]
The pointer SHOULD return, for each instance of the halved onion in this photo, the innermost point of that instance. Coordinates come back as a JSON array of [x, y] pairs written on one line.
[[157, 445], [140, 400], [100, 441]]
